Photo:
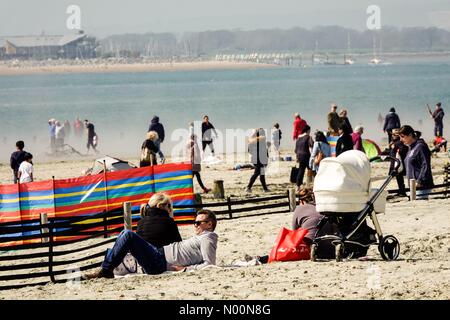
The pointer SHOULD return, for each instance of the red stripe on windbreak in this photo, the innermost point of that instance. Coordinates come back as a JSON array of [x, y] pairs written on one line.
[[8, 188], [37, 186], [78, 182], [170, 167]]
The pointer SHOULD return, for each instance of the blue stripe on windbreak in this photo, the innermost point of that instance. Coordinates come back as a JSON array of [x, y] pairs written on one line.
[[183, 202], [28, 194], [9, 196], [94, 195], [177, 212], [28, 203], [172, 174], [79, 188], [115, 193], [129, 180], [9, 205], [175, 183]]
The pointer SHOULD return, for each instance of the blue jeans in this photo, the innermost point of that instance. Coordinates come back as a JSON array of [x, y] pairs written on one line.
[[158, 145], [150, 258]]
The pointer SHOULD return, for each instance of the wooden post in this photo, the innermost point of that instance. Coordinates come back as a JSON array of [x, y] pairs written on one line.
[[44, 220], [50, 253], [230, 213], [412, 189], [218, 190], [292, 199], [127, 217]]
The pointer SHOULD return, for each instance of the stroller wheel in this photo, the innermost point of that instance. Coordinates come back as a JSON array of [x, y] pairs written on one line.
[[339, 249], [313, 252], [389, 248]]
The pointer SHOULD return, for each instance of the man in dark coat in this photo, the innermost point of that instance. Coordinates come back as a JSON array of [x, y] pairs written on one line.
[[391, 121], [438, 116], [155, 125]]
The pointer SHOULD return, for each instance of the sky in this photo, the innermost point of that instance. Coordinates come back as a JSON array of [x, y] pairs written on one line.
[[105, 17]]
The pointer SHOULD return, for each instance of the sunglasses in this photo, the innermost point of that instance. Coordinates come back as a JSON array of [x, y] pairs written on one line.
[[197, 223]]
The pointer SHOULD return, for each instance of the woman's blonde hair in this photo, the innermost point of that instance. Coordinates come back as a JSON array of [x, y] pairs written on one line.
[[159, 199], [152, 135]]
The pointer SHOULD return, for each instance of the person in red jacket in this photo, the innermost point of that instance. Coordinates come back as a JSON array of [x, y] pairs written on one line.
[[299, 124]]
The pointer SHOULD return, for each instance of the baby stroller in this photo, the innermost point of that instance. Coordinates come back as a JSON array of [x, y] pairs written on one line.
[[345, 199]]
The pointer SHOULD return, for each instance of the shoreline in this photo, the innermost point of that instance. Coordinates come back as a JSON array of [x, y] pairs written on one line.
[[34, 67]]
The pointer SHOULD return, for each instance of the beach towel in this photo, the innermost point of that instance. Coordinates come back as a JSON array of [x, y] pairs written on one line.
[[289, 246]]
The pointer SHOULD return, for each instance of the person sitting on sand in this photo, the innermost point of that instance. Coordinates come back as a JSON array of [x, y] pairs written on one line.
[[194, 253], [156, 225], [439, 143], [305, 216]]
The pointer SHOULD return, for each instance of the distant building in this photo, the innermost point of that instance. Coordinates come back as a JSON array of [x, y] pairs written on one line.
[[70, 46]]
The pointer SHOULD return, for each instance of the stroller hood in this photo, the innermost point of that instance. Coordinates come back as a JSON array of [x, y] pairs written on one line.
[[342, 184]]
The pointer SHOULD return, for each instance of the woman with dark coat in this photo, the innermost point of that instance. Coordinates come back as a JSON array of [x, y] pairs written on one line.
[[345, 141], [156, 225], [259, 155]]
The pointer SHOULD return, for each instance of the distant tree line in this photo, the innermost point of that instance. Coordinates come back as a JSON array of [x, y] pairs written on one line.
[[323, 39]]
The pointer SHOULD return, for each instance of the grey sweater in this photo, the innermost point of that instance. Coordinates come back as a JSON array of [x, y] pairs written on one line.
[[195, 253]]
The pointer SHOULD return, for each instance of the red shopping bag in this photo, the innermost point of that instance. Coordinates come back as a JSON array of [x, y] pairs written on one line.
[[289, 246]]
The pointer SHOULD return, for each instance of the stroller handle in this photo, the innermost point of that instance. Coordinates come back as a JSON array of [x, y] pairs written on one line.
[[388, 158]]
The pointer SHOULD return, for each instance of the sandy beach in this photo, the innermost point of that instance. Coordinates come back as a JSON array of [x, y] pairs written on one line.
[[421, 272], [104, 66]]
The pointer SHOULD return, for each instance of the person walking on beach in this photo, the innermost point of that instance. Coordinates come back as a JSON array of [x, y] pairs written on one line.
[[155, 125], [67, 129], [438, 116], [417, 161], [343, 118], [91, 136], [391, 121], [25, 172], [207, 130], [77, 127], [299, 124], [259, 157], [52, 128], [16, 159], [345, 142], [303, 147], [149, 149], [194, 156], [356, 138], [398, 150], [333, 121], [195, 253], [276, 139], [59, 135]]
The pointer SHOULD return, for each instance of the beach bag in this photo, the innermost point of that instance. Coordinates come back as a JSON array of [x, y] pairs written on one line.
[[294, 174], [289, 246], [129, 265], [319, 156]]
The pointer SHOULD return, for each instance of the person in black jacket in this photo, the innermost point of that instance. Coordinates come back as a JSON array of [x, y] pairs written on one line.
[[155, 125], [391, 121], [207, 130], [17, 157], [303, 147], [345, 141], [257, 147], [156, 225], [417, 161], [438, 116], [398, 150]]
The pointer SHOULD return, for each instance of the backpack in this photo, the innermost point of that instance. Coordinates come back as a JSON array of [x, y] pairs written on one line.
[[319, 156]]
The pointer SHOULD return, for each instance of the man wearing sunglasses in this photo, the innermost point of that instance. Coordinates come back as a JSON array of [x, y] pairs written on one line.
[[194, 253]]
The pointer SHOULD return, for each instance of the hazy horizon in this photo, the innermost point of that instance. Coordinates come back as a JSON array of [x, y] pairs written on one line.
[[102, 18]]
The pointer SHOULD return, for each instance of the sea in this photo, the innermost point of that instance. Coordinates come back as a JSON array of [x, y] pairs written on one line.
[[121, 105]]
